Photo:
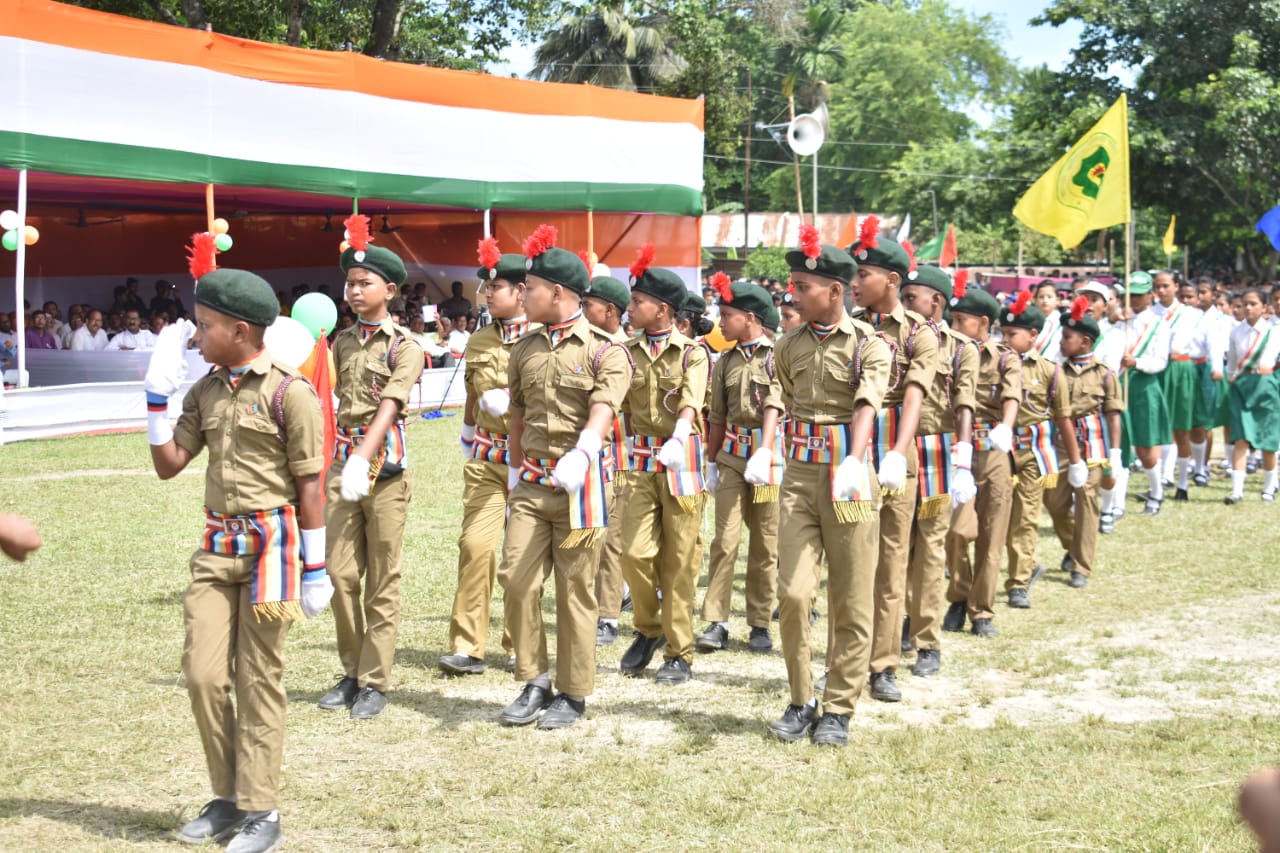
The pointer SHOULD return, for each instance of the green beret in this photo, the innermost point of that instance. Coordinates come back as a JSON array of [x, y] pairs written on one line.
[[610, 290], [1140, 282], [663, 285], [977, 302], [887, 254], [754, 299], [510, 267], [928, 275], [239, 294], [1031, 318], [376, 259], [833, 262], [560, 266], [694, 303], [1086, 325]]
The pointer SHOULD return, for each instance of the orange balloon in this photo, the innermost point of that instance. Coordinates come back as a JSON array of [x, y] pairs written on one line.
[[221, 226], [30, 235], [343, 246], [716, 339]]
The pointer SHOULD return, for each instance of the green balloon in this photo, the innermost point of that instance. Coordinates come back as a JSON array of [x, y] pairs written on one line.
[[10, 240], [223, 242], [315, 311]]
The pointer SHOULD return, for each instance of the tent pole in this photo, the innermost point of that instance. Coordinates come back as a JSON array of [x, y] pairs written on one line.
[[591, 233], [208, 206], [20, 279], [488, 229]]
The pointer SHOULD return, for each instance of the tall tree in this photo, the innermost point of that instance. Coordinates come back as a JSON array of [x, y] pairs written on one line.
[[607, 46]]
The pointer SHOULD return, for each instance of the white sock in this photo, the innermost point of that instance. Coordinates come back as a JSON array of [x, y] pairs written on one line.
[[1269, 480], [543, 681], [611, 622], [1184, 468], [1237, 483], [1199, 452], [724, 625], [1155, 483], [1121, 491], [1168, 456], [1105, 497]]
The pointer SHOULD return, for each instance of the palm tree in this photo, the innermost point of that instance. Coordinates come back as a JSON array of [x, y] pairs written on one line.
[[810, 52], [603, 46]]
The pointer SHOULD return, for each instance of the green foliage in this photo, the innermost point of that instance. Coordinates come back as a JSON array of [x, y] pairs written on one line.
[[767, 262], [605, 46]]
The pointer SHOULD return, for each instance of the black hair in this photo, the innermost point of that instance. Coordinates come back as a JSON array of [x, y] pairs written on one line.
[[1045, 283], [697, 322]]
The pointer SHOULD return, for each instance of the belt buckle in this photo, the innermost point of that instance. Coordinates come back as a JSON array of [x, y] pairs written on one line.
[[815, 442], [500, 443], [234, 526]]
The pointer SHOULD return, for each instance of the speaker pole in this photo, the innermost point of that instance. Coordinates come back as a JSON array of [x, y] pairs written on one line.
[[795, 159]]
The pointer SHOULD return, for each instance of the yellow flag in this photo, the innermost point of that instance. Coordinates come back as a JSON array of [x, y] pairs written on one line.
[[1088, 188], [1169, 246]]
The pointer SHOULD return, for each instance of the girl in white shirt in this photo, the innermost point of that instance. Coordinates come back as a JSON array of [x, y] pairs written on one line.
[[1253, 398]]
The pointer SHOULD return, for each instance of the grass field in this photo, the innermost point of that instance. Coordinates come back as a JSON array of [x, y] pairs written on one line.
[[1119, 717]]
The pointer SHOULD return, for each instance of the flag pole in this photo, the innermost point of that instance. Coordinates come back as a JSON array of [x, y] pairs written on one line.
[[1124, 279]]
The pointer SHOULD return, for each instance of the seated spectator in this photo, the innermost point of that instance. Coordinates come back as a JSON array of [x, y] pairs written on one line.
[[437, 345], [8, 337], [75, 320], [456, 305], [90, 337], [114, 324], [38, 334], [166, 301], [459, 335], [53, 318], [132, 301], [159, 320], [134, 336], [117, 300]]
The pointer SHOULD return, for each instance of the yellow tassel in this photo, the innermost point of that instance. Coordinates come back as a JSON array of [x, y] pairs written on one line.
[[933, 507], [584, 538], [854, 512], [1049, 481], [275, 611], [765, 494], [1013, 481], [891, 492], [691, 504]]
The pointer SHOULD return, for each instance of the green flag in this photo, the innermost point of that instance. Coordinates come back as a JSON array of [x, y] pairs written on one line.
[[932, 250]]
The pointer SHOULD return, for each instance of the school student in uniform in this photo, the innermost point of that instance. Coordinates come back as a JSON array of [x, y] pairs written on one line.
[[1253, 396]]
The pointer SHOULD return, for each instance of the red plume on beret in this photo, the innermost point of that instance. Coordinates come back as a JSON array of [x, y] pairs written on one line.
[[542, 238], [488, 252], [644, 260], [586, 259], [961, 284], [869, 233], [357, 226], [810, 242], [201, 254], [723, 286], [911, 254], [1078, 307], [1020, 304], [791, 286]]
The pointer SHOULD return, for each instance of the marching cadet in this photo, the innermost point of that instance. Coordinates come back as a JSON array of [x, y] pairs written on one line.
[[368, 492], [1253, 397], [603, 303], [1094, 402], [744, 441], [1036, 464], [972, 589], [567, 381], [883, 268], [833, 371], [486, 476], [662, 519], [261, 560], [1146, 354], [944, 439]]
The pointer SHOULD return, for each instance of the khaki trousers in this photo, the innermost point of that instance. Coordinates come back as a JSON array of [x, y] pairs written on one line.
[[896, 514], [1078, 532], [539, 522], [926, 580], [609, 575], [812, 529], [226, 648], [364, 543], [1024, 520], [484, 515], [985, 519], [660, 552], [734, 500]]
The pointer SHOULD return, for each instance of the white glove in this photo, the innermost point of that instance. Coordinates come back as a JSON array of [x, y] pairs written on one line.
[[1078, 474], [168, 366], [759, 467], [355, 478], [513, 477], [963, 489], [494, 402], [672, 453], [1001, 438], [849, 477], [571, 471], [467, 440], [1115, 459], [316, 595], [893, 470], [713, 476]]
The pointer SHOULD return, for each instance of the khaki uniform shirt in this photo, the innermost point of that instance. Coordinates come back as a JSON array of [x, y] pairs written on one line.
[[665, 385], [819, 380], [955, 384], [915, 352], [553, 389], [486, 363], [1091, 389], [743, 388], [1037, 380], [364, 364], [249, 469], [996, 386]]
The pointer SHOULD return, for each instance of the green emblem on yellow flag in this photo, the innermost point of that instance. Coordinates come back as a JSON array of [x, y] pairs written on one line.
[[1088, 188]]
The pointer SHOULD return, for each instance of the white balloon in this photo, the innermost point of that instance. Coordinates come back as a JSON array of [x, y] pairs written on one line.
[[288, 341], [601, 269], [9, 220]]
